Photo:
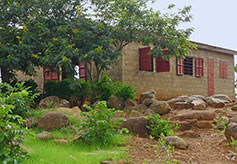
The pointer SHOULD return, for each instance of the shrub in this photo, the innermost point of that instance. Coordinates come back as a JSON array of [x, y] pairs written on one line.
[[99, 126], [126, 91], [11, 131], [160, 127], [20, 98]]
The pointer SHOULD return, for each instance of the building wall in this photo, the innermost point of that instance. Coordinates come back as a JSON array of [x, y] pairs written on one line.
[[168, 84]]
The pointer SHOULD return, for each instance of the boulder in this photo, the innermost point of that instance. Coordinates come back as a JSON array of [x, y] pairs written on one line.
[[222, 122], [215, 103], [149, 101], [195, 97], [233, 120], [136, 125], [116, 102], [183, 125], [140, 108], [64, 103], [149, 111], [177, 142], [171, 102], [50, 101], [222, 97], [160, 107], [198, 104], [234, 108], [53, 120], [190, 134], [231, 132], [204, 124], [149, 94], [182, 105], [129, 103], [199, 115], [31, 122], [44, 136]]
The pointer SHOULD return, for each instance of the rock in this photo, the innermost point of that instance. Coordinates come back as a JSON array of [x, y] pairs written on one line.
[[222, 97], [50, 101], [233, 120], [177, 142], [109, 161], [183, 125], [160, 107], [130, 103], [222, 122], [140, 108], [136, 125], [44, 136], [135, 113], [64, 103], [194, 97], [31, 122], [53, 120], [116, 102], [204, 124], [182, 105], [149, 94], [198, 104], [199, 115], [190, 134], [234, 108], [149, 111], [61, 140], [215, 103], [149, 101], [221, 112], [231, 131], [171, 102]]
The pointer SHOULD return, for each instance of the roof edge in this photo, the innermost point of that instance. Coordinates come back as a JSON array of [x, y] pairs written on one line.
[[214, 48]]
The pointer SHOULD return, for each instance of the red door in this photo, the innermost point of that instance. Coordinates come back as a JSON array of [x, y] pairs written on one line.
[[82, 70], [210, 77]]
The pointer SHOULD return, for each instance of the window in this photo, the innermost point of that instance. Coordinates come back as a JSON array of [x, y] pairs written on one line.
[[51, 75], [145, 60], [162, 65], [223, 70], [199, 67], [185, 67]]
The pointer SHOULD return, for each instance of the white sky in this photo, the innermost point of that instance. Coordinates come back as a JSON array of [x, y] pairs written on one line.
[[214, 21]]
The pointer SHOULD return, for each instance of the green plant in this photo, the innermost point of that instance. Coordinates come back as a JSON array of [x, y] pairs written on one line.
[[99, 126], [126, 91], [159, 127], [220, 125], [11, 131]]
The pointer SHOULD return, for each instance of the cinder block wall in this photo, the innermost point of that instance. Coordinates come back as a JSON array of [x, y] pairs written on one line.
[[168, 84]]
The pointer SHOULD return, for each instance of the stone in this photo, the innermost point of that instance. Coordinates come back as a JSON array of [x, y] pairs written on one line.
[[176, 141], [222, 97], [222, 122], [182, 105], [160, 107], [234, 108], [204, 124], [116, 102], [149, 94], [194, 97], [64, 103], [190, 134], [44, 136], [30, 122], [215, 103], [129, 103], [233, 120], [171, 102], [198, 104], [61, 140], [231, 131], [199, 115], [53, 120], [149, 101], [183, 125], [149, 111], [49, 102], [136, 125], [140, 108]]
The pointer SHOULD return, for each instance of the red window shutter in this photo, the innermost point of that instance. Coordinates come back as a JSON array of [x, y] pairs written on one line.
[[145, 60], [82, 70], [220, 70], [162, 65], [225, 70], [199, 67], [50, 75], [180, 66]]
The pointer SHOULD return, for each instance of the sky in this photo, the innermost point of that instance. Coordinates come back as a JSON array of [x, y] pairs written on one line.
[[214, 21]]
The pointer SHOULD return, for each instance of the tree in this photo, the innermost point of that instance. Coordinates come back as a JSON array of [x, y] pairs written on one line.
[[59, 32]]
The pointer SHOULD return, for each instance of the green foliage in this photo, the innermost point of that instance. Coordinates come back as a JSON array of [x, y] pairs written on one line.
[[99, 126], [160, 127], [126, 91], [11, 131], [20, 98]]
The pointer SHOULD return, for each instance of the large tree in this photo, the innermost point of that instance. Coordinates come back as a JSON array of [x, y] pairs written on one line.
[[57, 32]]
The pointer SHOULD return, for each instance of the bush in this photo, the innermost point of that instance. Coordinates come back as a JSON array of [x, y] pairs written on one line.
[[160, 127], [21, 98], [11, 131], [126, 91], [99, 126]]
